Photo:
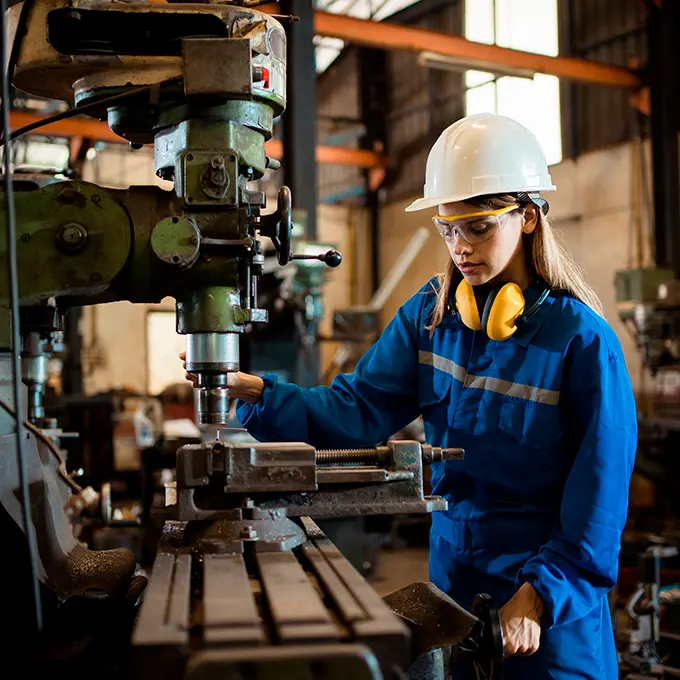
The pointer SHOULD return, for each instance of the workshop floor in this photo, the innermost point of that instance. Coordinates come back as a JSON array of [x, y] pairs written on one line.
[[399, 568]]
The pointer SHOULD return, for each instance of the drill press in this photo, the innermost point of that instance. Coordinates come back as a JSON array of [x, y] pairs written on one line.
[[244, 583], [204, 85]]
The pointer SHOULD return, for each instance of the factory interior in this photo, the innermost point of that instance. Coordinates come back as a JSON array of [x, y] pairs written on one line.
[[192, 192]]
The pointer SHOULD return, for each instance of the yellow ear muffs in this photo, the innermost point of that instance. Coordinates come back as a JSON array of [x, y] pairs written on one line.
[[466, 304], [504, 305]]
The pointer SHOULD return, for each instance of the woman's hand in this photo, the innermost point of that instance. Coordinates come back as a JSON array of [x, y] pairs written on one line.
[[249, 388], [521, 622]]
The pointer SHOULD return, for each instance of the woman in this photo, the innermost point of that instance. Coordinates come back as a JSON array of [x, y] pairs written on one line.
[[506, 355]]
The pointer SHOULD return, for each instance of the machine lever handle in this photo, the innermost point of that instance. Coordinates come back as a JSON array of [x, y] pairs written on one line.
[[332, 258]]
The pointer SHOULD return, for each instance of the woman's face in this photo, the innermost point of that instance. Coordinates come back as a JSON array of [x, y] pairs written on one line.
[[501, 254]]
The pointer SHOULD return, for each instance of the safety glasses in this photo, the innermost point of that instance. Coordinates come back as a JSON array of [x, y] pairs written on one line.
[[474, 227]]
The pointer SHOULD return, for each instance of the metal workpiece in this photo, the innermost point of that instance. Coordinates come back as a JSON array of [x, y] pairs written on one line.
[[304, 612]]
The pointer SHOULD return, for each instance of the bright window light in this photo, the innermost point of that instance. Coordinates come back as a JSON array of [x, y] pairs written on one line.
[[531, 26], [479, 22], [163, 346], [327, 52]]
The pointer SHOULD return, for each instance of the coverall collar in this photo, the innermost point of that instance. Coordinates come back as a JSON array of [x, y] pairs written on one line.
[[528, 329]]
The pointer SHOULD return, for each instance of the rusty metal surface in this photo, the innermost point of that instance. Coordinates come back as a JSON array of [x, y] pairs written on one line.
[[164, 616], [350, 609], [208, 614], [433, 665], [435, 620], [229, 611], [360, 475], [298, 612], [370, 499]]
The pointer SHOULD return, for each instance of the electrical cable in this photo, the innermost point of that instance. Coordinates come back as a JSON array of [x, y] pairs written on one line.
[[10, 218], [91, 106], [22, 25], [61, 467]]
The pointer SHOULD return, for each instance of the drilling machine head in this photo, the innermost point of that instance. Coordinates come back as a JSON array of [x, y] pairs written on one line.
[[204, 84]]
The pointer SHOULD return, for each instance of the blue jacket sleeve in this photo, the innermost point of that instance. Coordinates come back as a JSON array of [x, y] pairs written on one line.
[[359, 409], [579, 565]]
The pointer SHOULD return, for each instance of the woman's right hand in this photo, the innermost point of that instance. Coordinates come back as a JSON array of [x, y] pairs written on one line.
[[243, 386]]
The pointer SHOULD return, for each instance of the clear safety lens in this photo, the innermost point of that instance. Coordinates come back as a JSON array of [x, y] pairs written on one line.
[[473, 229]]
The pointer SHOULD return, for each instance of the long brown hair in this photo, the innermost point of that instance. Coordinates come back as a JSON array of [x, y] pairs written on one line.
[[546, 252]]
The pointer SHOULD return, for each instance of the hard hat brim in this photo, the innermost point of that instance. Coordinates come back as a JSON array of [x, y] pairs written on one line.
[[428, 203]]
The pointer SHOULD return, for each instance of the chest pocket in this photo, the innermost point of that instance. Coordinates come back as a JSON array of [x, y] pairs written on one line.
[[434, 395], [434, 387], [531, 423]]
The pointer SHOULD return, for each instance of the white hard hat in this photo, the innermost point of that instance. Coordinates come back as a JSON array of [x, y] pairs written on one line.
[[481, 155]]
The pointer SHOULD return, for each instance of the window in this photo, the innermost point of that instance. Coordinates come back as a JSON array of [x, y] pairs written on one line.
[[163, 344], [531, 26], [328, 49]]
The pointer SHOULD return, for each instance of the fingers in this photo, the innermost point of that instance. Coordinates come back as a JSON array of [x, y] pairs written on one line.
[[519, 650], [515, 648], [520, 638], [191, 377]]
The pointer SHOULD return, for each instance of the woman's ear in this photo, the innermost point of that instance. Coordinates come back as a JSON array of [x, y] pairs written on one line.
[[530, 217]]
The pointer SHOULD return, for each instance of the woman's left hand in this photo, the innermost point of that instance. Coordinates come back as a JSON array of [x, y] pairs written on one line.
[[521, 622]]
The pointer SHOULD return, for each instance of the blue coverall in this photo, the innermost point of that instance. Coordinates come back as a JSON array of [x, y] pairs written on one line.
[[548, 422]]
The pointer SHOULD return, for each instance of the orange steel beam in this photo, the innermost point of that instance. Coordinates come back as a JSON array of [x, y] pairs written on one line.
[[69, 127], [96, 131], [389, 36]]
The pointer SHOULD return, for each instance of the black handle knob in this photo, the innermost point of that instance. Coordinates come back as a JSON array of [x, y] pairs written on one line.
[[332, 258]]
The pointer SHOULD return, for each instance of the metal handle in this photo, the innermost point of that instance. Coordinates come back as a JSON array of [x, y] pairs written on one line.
[[279, 226], [332, 258]]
